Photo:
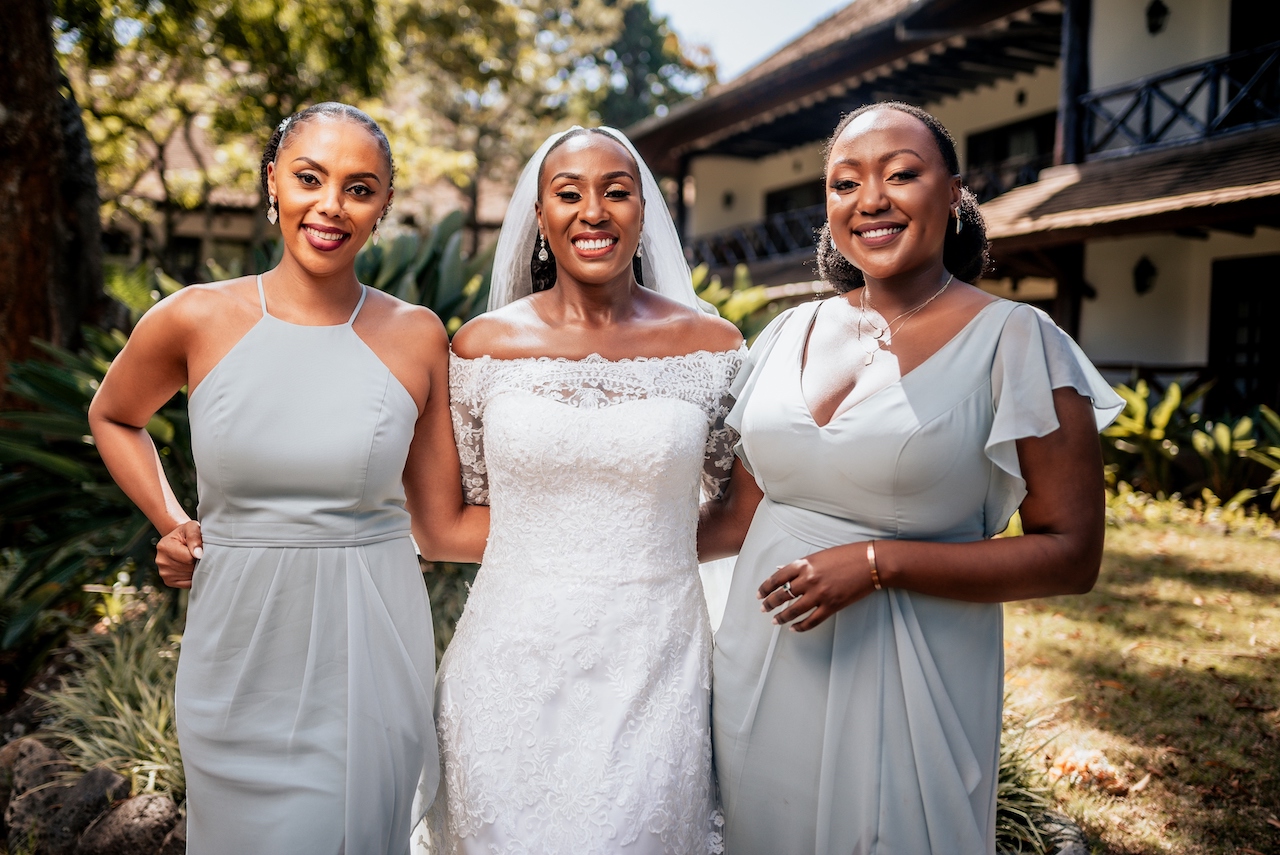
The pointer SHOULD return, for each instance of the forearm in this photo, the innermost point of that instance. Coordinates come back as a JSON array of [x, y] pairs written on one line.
[[720, 532], [130, 456], [987, 571]]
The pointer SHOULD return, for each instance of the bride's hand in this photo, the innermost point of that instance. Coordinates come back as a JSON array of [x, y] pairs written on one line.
[[821, 584], [177, 552]]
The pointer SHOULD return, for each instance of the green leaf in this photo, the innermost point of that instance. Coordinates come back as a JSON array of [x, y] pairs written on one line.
[[12, 452]]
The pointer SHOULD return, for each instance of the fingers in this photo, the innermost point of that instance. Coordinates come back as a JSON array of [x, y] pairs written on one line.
[[177, 553], [815, 617], [771, 590]]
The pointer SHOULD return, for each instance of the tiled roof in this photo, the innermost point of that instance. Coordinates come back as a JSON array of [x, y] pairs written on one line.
[[1239, 167]]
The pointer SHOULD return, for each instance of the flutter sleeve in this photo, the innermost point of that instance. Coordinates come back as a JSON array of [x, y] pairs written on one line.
[[745, 382], [1034, 357], [466, 406], [717, 460]]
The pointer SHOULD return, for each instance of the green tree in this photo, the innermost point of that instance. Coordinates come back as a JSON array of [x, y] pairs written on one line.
[[647, 69]]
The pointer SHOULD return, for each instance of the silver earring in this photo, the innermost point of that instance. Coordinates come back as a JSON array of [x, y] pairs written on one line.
[[639, 253], [959, 222], [542, 248], [834, 248], [272, 216], [375, 231]]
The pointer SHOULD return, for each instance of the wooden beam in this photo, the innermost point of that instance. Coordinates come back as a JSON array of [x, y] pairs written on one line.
[[1069, 144]]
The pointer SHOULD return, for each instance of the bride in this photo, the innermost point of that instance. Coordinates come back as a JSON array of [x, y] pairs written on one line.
[[573, 701]]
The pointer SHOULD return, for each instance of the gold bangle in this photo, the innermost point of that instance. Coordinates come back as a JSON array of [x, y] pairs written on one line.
[[871, 563]]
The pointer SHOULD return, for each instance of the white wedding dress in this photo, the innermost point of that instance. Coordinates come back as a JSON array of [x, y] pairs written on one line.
[[573, 703]]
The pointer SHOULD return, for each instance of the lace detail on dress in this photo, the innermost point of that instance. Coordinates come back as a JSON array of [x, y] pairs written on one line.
[[574, 700], [701, 378]]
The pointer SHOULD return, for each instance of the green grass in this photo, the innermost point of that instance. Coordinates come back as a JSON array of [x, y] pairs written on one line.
[[1170, 668]]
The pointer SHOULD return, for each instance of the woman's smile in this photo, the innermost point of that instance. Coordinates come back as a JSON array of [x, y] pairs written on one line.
[[879, 234], [325, 238], [591, 245]]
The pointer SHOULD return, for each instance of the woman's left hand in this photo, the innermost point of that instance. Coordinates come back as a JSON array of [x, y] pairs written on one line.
[[821, 584]]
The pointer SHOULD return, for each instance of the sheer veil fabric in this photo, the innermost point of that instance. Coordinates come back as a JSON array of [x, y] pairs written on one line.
[[665, 268]]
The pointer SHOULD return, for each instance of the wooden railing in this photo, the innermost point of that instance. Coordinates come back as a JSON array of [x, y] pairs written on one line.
[[788, 233], [988, 181], [1193, 101]]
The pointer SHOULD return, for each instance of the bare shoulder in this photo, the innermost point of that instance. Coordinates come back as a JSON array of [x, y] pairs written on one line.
[[406, 326], [199, 307], [501, 333], [692, 330]]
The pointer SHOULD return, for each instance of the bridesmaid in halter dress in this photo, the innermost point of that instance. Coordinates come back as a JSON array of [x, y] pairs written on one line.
[[320, 421]]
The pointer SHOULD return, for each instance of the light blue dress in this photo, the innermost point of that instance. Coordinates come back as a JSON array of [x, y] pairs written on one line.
[[878, 731], [304, 690]]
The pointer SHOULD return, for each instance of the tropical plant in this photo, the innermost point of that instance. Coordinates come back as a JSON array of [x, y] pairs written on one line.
[[117, 708], [1150, 429], [1023, 795], [60, 511], [430, 269]]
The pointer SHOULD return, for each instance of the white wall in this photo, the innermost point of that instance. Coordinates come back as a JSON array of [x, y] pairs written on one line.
[[997, 104], [1121, 49], [748, 181], [1169, 325]]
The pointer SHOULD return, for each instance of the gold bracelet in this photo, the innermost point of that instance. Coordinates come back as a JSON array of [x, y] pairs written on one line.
[[871, 563]]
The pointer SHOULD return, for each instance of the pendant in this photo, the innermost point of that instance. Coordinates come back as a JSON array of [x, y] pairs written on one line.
[[870, 356]]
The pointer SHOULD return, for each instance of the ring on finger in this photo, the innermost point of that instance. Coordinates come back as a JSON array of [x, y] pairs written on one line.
[[786, 586]]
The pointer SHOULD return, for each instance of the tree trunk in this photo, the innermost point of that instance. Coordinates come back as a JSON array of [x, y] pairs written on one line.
[[50, 236]]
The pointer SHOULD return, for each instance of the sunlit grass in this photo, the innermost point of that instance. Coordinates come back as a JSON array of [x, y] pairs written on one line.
[[1171, 668]]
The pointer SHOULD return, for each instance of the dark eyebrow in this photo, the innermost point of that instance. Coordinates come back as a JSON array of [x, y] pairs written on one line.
[[891, 155], [364, 176], [884, 158], [571, 176], [620, 174]]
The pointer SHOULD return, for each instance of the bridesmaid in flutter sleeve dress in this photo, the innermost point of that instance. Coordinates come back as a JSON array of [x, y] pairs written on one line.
[[887, 434]]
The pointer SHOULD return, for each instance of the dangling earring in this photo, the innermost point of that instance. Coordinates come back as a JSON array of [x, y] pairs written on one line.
[[834, 248], [639, 253], [375, 231], [542, 248], [959, 222], [272, 216]]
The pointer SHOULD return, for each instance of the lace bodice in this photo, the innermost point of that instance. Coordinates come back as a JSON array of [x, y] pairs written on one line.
[[701, 378], [574, 698]]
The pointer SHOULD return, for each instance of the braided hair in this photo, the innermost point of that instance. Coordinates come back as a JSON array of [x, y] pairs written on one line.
[[965, 254], [327, 109], [544, 273]]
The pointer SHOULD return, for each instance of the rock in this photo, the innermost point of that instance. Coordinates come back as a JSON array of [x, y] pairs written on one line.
[[40, 782], [1063, 836], [8, 756], [176, 842], [88, 799], [137, 826]]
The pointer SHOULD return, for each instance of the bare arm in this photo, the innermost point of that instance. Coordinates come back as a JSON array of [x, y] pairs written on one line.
[[723, 522], [1062, 516], [445, 528], [150, 369]]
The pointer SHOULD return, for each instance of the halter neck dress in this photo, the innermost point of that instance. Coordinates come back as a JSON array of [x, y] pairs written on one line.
[[304, 690]]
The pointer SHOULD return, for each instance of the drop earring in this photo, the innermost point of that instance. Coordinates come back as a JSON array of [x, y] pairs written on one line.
[[542, 248], [959, 222], [272, 215], [376, 236], [639, 251]]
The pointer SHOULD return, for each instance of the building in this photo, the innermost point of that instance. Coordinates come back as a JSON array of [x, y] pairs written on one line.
[[1127, 152]]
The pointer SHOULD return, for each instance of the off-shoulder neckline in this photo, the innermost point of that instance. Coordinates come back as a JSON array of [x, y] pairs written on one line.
[[597, 358]]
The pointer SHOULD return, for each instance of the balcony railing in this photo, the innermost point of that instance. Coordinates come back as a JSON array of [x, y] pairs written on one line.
[[990, 180], [1194, 101], [791, 232]]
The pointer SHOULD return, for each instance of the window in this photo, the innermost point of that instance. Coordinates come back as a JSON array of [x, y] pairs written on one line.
[[1009, 156], [803, 195], [1244, 351]]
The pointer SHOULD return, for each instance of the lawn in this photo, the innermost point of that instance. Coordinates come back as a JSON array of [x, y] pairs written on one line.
[[1169, 669]]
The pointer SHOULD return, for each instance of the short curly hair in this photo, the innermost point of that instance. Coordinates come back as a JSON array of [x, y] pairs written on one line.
[[967, 254]]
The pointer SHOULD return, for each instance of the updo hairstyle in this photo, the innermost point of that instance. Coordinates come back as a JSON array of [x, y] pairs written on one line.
[[965, 254], [327, 109], [543, 273]]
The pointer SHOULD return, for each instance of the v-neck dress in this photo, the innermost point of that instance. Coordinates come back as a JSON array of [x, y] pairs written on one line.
[[304, 690], [879, 730]]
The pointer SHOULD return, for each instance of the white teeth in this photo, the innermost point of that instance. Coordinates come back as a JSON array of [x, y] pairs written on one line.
[[599, 243], [875, 233], [314, 232]]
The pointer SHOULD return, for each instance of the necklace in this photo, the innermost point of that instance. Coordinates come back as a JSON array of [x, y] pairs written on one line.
[[883, 336]]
